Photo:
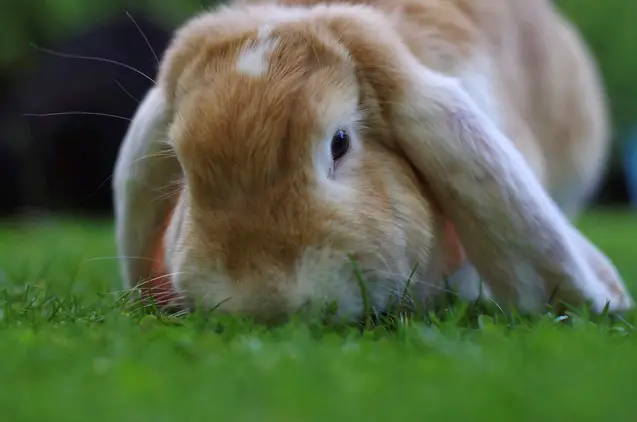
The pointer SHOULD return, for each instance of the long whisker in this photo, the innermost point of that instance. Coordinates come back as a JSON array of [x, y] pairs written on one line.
[[98, 59], [496, 304], [100, 185], [138, 286], [126, 91], [72, 113], [170, 193], [180, 313], [160, 277], [177, 301], [414, 280], [179, 292], [150, 47], [166, 154], [103, 258], [161, 154], [172, 188], [110, 176]]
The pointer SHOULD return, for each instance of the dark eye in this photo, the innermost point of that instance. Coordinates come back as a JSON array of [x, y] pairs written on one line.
[[340, 144]]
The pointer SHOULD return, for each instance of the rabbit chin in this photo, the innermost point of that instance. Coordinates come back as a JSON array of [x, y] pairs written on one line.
[[320, 278]]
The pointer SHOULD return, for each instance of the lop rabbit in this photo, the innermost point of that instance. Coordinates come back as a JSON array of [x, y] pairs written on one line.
[[424, 139]]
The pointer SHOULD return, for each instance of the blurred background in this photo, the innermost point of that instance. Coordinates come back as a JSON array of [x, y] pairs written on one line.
[[53, 161]]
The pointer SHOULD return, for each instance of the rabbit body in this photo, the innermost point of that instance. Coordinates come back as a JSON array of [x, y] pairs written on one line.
[[420, 138]]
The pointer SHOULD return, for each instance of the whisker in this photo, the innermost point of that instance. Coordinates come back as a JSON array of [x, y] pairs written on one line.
[[110, 176], [167, 142], [161, 302], [180, 313], [169, 194], [163, 276], [98, 59], [100, 186], [126, 91], [103, 258], [433, 286], [161, 154], [179, 292], [150, 47], [497, 305], [106, 180], [73, 113], [177, 186], [153, 279], [414, 280], [136, 288], [400, 278]]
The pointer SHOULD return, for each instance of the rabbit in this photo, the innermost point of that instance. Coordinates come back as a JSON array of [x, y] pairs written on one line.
[[292, 149]]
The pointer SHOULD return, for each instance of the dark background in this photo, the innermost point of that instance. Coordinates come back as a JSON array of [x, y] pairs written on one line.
[[63, 163]]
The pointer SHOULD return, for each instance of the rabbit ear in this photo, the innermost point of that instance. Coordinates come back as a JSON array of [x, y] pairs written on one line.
[[521, 244], [144, 169]]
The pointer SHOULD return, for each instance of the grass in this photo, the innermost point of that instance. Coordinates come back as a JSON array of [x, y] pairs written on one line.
[[69, 351]]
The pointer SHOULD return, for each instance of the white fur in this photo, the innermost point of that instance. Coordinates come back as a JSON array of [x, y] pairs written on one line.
[[142, 175], [322, 275], [467, 283], [325, 275], [513, 232], [254, 58], [606, 272], [476, 78], [323, 163]]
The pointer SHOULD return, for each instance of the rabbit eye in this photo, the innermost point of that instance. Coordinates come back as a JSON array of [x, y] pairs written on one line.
[[340, 144]]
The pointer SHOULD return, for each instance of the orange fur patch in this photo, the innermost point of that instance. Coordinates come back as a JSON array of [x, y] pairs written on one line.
[[453, 252], [159, 286]]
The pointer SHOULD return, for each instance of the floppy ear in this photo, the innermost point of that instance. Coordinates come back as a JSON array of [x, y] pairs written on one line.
[[144, 169], [522, 245]]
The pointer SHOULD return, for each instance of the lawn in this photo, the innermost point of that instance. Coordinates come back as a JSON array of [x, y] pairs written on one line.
[[70, 351]]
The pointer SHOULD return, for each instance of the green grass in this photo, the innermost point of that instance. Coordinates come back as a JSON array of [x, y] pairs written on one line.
[[70, 352]]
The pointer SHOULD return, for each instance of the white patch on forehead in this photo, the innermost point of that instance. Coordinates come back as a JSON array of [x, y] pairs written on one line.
[[264, 31], [253, 59]]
